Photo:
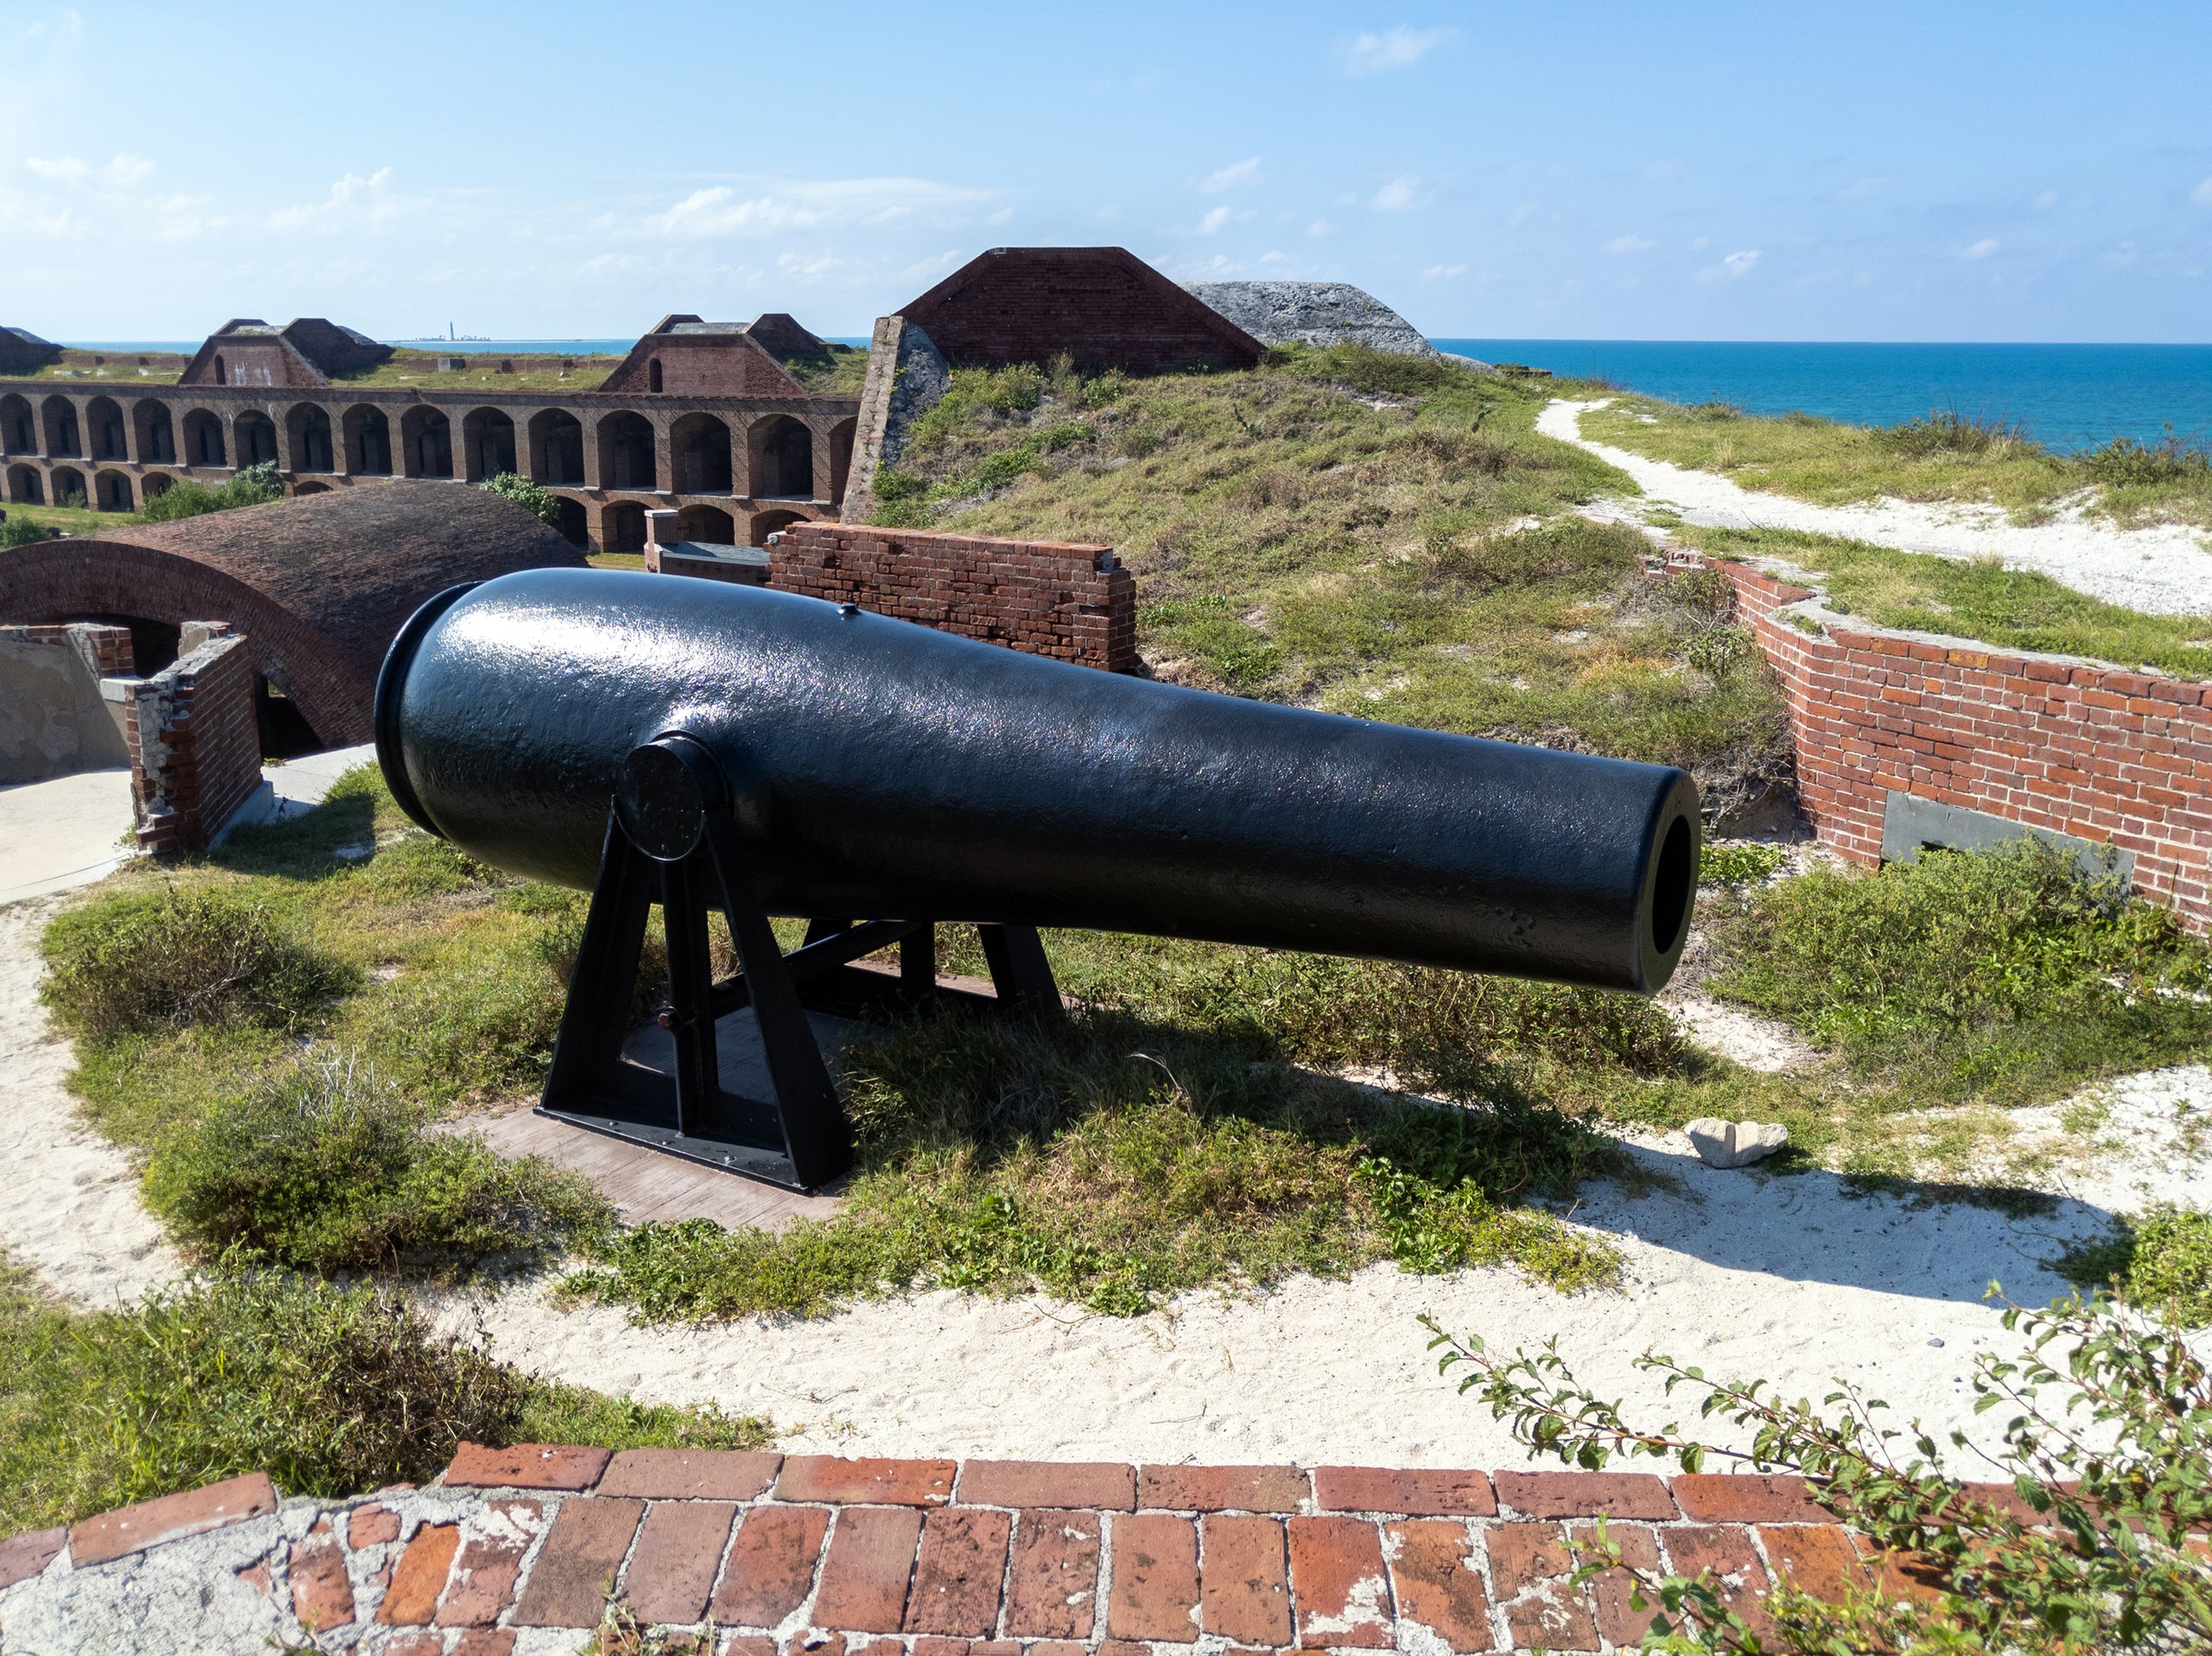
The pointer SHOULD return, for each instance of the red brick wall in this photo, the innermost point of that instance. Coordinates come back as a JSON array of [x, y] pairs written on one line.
[[106, 649], [196, 752], [2113, 756], [1047, 598]]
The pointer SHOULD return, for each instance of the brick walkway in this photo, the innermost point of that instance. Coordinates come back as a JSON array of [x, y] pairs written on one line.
[[516, 1551]]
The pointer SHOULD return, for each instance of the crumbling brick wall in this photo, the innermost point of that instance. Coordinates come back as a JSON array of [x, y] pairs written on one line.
[[54, 719], [1047, 598], [2111, 756], [195, 750]]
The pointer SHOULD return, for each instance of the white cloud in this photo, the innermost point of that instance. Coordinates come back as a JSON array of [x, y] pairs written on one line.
[[352, 200], [1630, 245], [1273, 257], [1443, 272], [1399, 195], [1396, 48], [1213, 221], [2044, 200], [1319, 227], [121, 173], [1734, 267], [1228, 178], [1860, 188], [2202, 194], [1982, 249], [780, 208], [1521, 215]]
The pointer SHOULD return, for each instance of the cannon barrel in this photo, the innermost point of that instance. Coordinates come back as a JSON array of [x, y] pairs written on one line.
[[883, 769]]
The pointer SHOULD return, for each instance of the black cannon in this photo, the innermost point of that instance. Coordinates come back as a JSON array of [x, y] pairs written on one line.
[[706, 745]]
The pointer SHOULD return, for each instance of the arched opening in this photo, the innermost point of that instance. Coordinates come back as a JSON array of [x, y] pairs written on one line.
[[652, 376], [25, 486], [841, 458], [622, 528], [285, 731], [18, 430], [59, 417], [222, 377], [487, 438], [425, 443], [699, 446], [557, 447], [309, 426], [156, 436], [368, 441], [68, 486], [783, 459], [709, 524], [310, 488], [111, 492], [625, 453], [203, 439], [766, 524], [155, 486], [104, 424], [255, 432], [574, 525]]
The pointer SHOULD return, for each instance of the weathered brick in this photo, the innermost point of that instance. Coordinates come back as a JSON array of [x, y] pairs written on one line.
[[1815, 1558], [1154, 1590], [1342, 1588], [1725, 1553], [527, 1465], [1616, 1591], [878, 1483], [770, 1568], [322, 1596], [1745, 1498], [372, 1526], [1584, 1494], [689, 1474], [24, 1556], [420, 1576], [576, 1566], [1244, 1579], [671, 1569], [866, 1570], [1053, 1585], [1436, 1584], [1096, 1486], [1222, 1488], [170, 1518], [492, 1546], [1413, 1494], [958, 1573]]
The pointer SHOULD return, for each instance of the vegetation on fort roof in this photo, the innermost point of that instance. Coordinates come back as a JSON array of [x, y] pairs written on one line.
[[330, 1390], [48, 520], [117, 370], [833, 370], [541, 504], [2012, 609], [1942, 456], [483, 372], [253, 485], [1366, 534]]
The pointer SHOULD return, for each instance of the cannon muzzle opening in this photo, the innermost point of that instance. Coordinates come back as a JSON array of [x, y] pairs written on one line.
[[710, 746]]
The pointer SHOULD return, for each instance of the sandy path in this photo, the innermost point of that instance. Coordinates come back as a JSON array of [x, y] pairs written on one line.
[[2166, 571], [69, 1203]]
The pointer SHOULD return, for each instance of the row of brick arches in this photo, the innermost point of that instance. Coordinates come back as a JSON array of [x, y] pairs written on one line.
[[775, 455]]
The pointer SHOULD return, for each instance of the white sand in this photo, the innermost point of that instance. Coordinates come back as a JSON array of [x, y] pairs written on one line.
[[69, 1203], [2165, 571], [1796, 1278]]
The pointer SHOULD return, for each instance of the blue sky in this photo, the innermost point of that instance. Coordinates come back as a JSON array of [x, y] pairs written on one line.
[[1801, 172]]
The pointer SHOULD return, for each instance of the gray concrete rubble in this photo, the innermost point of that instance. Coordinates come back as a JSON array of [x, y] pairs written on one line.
[[1314, 312]]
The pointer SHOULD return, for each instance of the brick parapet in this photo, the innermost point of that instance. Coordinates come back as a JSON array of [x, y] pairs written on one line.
[[194, 742], [105, 650], [1068, 601], [2101, 753], [940, 1558]]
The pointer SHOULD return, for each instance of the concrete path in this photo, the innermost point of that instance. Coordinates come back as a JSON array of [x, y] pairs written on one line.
[[65, 832], [519, 1551]]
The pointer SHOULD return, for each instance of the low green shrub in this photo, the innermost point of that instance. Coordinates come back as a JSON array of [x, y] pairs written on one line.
[[542, 504], [1739, 865], [330, 1391], [1363, 368], [20, 530], [2160, 1261], [323, 1168], [253, 485], [1948, 432], [135, 962], [2006, 975], [2125, 463]]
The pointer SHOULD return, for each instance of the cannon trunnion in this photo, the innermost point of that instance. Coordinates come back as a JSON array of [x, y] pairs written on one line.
[[705, 746]]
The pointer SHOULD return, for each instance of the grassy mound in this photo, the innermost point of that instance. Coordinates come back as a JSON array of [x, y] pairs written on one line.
[[328, 1390]]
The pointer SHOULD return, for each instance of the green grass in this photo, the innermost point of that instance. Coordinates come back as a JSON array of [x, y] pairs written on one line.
[[329, 1390], [417, 368], [1416, 561], [1940, 457], [2159, 1260], [2010, 609], [70, 520]]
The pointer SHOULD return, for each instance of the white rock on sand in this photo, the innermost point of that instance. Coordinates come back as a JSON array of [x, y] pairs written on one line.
[[2165, 571]]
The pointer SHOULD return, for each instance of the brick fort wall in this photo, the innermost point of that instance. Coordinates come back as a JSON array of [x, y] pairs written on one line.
[[195, 750]]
